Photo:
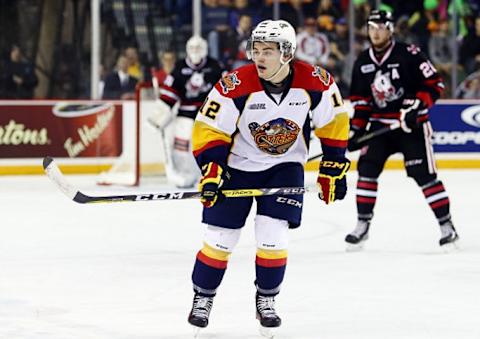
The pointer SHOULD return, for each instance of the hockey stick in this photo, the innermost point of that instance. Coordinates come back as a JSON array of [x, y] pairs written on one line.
[[55, 175], [367, 137]]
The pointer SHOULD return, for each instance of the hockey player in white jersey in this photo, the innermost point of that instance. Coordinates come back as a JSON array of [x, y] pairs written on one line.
[[253, 130]]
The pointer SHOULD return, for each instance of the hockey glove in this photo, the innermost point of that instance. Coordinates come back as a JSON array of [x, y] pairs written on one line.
[[210, 183], [355, 133], [332, 179], [409, 114]]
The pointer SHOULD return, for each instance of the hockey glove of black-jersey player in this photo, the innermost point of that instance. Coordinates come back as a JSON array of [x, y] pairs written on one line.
[[355, 133], [332, 179], [212, 179], [409, 114]]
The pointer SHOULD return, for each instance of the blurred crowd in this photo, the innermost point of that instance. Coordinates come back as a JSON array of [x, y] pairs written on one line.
[[323, 39]]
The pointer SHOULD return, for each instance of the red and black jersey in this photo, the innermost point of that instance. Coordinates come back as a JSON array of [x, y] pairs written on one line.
[[190, 84], [379, 86]]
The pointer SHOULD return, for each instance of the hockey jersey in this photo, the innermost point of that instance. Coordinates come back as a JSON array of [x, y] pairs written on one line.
[[190, 84], [242, 125], [379, 86]]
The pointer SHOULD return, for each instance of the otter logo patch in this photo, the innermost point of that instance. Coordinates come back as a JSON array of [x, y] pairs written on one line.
[[229, 82], [322, 74], [276, 136]]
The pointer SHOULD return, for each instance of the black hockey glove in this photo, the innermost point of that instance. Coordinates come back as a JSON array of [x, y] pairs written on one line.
[[355, 133], [332, 179], [409, 114], [212, 179]]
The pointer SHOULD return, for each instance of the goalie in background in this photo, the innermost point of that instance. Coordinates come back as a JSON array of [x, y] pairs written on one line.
[[253, 131], [188, 85], [393, 82]]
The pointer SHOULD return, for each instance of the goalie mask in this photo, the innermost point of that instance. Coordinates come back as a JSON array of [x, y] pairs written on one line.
[[197, 49], [278, 31]]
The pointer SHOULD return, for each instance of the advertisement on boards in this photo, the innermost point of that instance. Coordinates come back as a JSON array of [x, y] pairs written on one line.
[[63, 129], [456, 126]]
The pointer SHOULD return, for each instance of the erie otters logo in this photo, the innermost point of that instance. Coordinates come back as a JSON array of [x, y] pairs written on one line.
[[276, 136], [229, 82], [322, 74]]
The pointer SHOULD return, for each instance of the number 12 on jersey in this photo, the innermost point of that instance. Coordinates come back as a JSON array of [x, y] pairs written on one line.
[[210, 109]]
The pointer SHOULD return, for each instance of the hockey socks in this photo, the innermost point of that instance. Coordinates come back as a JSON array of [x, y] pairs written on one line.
[[437, 198], [366, 196], [209, 269], [270, 270]]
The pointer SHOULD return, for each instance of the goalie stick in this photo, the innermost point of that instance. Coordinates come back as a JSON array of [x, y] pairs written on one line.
[[56, 176], [367, 136]]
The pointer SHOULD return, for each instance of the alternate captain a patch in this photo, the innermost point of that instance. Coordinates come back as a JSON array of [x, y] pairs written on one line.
[[322, 74], [275, 136], [229, 82]]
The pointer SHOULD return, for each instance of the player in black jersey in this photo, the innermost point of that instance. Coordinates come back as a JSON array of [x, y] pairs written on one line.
[[395, 83], [189, 84]]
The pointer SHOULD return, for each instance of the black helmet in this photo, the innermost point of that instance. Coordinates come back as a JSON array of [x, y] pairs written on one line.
[[381, 16]]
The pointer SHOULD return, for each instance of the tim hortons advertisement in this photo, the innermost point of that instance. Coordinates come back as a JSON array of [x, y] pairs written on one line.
[[66, 129], [457, 126]]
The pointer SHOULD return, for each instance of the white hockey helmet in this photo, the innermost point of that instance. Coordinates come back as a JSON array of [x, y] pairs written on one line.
[[197, 49], [279, 31]]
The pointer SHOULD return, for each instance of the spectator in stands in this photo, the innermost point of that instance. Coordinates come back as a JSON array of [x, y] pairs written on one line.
[[440, 48], [423, 22], [403, 33], [242, 7], [470, 87], [470, 49], [243, 32], [215, 26], [167, 64], [134, 66], [18, 79], [292, 11], [119, 84], [312, 46], [339, 49], [328, 9]]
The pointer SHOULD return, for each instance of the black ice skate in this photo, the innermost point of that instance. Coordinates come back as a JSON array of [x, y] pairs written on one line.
[[266, 311], [200, 311], [449, 234], [359, 234]]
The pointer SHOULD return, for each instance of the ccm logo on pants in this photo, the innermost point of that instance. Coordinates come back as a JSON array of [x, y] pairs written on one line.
[[289, 201]]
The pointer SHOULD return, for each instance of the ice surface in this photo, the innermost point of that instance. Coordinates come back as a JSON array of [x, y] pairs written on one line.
[[122, 271]]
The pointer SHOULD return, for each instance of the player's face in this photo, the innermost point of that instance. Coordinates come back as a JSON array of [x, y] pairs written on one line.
[[266, 57], [379, 34]]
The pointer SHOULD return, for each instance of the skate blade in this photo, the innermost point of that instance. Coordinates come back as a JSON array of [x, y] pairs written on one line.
[[196, 331], [267, 332], [451, 247], [355, 247]]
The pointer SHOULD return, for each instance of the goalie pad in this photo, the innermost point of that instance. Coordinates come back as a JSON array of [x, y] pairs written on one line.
[[183, 160]]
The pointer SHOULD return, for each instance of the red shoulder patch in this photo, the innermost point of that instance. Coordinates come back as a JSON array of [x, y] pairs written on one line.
[[239, 82], [311, 77]]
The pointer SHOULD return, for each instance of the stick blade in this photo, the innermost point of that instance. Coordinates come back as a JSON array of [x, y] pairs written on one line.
[[56, 176]]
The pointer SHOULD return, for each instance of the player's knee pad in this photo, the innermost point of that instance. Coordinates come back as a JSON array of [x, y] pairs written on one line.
[[222, 239], [423, 180], [270, 233]]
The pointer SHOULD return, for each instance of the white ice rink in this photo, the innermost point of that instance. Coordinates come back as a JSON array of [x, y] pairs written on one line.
[[122, 271]]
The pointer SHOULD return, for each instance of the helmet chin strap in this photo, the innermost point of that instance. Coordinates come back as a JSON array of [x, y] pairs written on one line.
[[283, 64]]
